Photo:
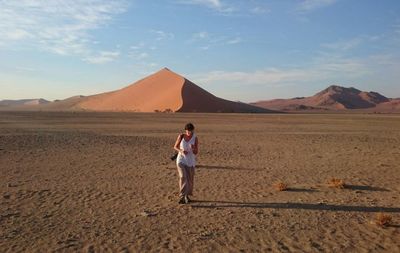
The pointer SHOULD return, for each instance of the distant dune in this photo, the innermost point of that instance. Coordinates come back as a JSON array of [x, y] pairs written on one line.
[[163, 91], [334, 98], [23, 102], [392, 105]]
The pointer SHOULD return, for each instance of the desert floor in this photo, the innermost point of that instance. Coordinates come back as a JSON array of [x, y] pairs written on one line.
[[103, 182]]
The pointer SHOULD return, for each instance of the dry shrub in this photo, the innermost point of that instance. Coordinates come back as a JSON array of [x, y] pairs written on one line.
[[336, 183], [280, 186], [383, 220]]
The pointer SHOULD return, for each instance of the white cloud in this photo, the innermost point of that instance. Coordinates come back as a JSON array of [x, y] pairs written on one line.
[[259, 10], [103, 57], [267, 76], [331, 67], [234, 41], [311, 5], [319, 70], [144, 68], [162, 35], [396, 28], [25, 69], [374, 37], [200, 36], [137, 46], [61, 27], [17, 34], [216, 5], [207, 40], [385, 60], [344, 45], [139, 56], [138, 51], [209, 3], [142, 56]]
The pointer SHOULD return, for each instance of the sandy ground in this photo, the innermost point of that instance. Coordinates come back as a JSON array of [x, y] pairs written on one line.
[[103, 182]]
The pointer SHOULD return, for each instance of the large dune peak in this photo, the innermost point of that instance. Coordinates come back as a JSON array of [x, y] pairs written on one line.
[[157, 92]]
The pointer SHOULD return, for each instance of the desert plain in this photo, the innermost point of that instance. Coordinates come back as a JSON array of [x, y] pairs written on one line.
[[103, 182]]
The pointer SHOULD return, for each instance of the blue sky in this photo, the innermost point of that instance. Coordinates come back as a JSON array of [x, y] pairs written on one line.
[[245, 50]]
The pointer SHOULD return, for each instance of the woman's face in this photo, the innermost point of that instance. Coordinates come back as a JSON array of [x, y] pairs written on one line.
[[189, 133]]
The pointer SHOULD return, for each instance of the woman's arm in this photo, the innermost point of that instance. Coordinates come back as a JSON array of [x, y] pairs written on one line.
[[195, 147], [177, 143]]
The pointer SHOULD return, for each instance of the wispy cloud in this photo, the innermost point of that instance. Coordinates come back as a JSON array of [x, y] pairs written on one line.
[[57, 26], [216, 5], [230, 8], [138, 55], [349, 44], [200, 36], [344, 45], [142, 55], [17, 34], [162, 35], [311, 5], [25, 69], [143, 50], [259, 10], [209, 3], [138, 46], [234, 41], [206, 40], [321, 69], [396, 31], [103, 57], [269, 76]]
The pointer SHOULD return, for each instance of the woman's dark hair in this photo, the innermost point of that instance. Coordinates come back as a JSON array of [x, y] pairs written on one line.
[[189, 126]]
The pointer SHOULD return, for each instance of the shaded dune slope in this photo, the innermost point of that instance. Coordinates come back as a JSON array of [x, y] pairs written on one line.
[[196, 99]]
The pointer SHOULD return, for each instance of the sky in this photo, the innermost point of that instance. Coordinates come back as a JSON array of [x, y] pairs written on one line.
[[242, 50]]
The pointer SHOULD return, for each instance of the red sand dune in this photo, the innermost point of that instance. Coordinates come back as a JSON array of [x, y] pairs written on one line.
[[163, 91], [332, 98], [159, 91]]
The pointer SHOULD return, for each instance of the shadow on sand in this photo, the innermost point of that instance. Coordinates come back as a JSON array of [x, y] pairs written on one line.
[[214, 167], [365, 188], [304, 206], [292, 189]]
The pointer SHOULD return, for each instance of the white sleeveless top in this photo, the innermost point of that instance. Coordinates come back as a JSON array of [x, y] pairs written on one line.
[[189, 159]]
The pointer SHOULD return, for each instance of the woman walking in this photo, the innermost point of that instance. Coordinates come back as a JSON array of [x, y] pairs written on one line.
[[187, 146]]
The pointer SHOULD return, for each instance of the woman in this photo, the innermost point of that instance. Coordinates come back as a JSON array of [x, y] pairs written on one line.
[[187, 146]]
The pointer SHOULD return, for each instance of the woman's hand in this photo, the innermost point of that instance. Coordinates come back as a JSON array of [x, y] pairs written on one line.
[[194, 149], [184, 152]]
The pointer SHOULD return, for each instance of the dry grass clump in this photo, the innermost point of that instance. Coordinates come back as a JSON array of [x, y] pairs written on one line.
[[280, 186], [336, 183], [382, 219]]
